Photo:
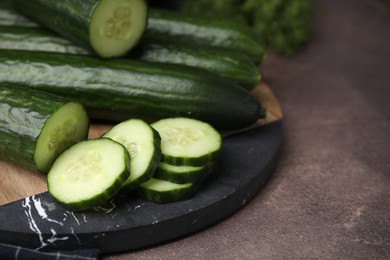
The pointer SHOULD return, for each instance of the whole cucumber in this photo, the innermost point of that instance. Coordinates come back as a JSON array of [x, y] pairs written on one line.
[[120, 88]]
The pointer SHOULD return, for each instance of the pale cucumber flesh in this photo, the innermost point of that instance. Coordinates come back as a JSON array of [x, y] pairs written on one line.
[[116, 26], [68, 125], [89, 173], [186, 141], [143, 145]]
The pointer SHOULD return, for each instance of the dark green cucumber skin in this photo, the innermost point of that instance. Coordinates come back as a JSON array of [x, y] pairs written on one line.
[[36, 39], [8, 16], [167, 196], [190, 161], [68, 18], [231, 65], [162, 24], [183, 28], [184, 177], [228, 64], [23, 115], [103, 197], [120, 89]]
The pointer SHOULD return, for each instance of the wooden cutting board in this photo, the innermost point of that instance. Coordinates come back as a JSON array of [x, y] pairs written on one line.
[[18, 183]]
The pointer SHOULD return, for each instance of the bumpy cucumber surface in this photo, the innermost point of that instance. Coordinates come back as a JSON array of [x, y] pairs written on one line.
[[143, 144], [160, 191], [89, 173], [8, 16], [35, 126], [108, 27], [187, 142], [37, 39], [190, 29], [120, 89], [228, 64]]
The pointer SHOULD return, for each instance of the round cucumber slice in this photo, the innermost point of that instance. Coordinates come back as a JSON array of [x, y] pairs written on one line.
[[68, 125], [143, 144], [160, 191], [186, 141], [116, 26], [89, 173], [183, 174]]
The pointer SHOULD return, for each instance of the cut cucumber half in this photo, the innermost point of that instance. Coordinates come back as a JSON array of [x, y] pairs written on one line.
[[89, 173], [143, 144], [68, 125], [116, 26], [36, 126], [187, 142], [110, 28], [160, 191], [183, 174]]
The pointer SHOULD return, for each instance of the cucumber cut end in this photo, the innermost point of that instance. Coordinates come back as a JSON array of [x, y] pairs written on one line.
[[187, 141], [89, 173], [143, 144], [116, 26], [68, 125]]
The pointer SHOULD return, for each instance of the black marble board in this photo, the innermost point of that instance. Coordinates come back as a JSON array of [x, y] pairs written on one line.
[[245, 164]]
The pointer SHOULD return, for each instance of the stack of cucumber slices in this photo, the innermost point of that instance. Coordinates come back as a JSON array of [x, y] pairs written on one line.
[[162, 162]]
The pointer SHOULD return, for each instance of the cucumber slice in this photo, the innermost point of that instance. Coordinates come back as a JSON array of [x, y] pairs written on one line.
[[187, 142], [183, 174], [160, 191], [89, 173], [143, 144], [68, 125], [116, 26]]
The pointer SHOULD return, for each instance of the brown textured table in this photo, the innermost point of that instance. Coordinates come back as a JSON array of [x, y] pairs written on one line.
[[329, 197]]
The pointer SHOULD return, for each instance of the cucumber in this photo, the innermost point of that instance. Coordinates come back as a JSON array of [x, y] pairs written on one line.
[[177, 27], [143, 144], [187, 142], [37, 39], [160, 191], [119, 89], [228, 64], [35, 127], [89, 173], [8, 16], [183, 174], [110, 28], [190, 29]]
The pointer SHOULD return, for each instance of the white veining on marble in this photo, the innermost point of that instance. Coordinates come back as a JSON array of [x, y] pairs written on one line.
[[55, 238], [106, 209], [42, 212], [75, 235], [32, 224]]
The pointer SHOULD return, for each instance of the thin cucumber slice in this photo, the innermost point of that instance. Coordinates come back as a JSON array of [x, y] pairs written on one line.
[[143, 144], [116, 26], [188, 142], [160, 191], [89, 173], [183, 174], [68, 125]]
